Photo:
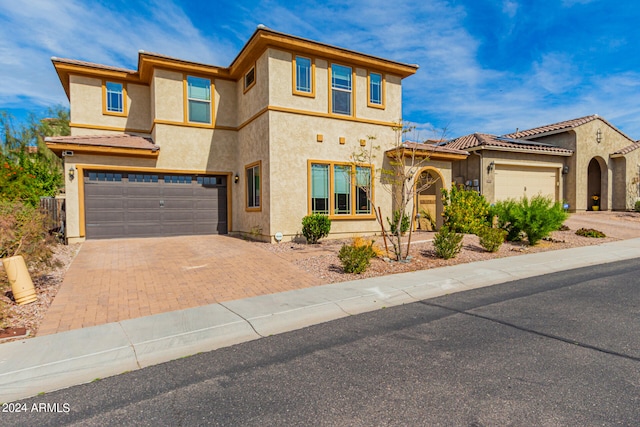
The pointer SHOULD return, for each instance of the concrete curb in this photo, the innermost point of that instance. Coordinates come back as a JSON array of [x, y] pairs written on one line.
[[52, 362]]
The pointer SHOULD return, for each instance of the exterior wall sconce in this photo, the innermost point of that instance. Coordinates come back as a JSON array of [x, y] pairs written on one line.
[[491, 167], [565, 170], [72, 173], [598, 136], [236, 179]]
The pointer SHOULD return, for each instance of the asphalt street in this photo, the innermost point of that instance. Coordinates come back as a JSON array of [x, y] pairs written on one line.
[[561, 349]]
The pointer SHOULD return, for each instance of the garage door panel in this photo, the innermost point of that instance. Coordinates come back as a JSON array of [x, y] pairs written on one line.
[[141, 207], [149, 190], [515, 182]]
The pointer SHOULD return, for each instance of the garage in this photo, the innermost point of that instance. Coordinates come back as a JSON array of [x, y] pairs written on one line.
[[132, 204], [514, 182]]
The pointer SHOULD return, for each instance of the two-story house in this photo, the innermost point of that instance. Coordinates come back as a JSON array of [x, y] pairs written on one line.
[[178, 147]]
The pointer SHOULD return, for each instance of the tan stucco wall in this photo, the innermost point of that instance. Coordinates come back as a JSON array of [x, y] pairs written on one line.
[[614, 183], [255, 99], [87, 105], [191, 148], [281, 89], [252, 147], [226, 103], [293, 143], [168, 91]]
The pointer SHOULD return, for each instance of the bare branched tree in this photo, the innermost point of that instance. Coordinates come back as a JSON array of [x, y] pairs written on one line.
[[399, 176]]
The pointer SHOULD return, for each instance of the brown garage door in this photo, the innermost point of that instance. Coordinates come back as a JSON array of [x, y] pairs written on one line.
[[120, 204]]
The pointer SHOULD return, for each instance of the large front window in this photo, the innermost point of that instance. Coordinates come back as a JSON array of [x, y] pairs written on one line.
[[340, 190], [341, 89], [199, 99]]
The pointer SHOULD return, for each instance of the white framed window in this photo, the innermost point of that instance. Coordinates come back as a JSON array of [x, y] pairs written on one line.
[[304, 77], [252, 173], [341, 89], [198, 100], [340, 190], [375, 90], [114, 97]]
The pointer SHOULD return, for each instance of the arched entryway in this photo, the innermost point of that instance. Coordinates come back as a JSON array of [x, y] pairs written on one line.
[[428, 201], [594, 185]]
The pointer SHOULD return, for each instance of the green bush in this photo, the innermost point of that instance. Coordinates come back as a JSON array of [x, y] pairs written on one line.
[[541, 217], [447, 243], [535, 217], [590, 232], [315, 227], [404, 225], [465, 211], [636, 207], [506, 212], [356, 259], [22, 232], [491, 238]]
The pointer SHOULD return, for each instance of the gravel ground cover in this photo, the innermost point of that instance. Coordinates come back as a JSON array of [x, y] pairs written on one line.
[[322, 260]]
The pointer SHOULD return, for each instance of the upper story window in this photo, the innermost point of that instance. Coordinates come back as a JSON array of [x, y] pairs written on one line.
[[303, 75], [376, 90], [114, 99], [250, 78], [199, 99], [341, 89]]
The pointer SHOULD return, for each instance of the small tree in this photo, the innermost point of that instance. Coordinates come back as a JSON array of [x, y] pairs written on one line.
[[28, 170], [399, 178]]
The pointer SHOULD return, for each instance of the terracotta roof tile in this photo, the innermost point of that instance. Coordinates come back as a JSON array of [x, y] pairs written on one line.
[[485, 140], [561, 126], [628, 149], [567, 124], [117, 141], [434, 148]]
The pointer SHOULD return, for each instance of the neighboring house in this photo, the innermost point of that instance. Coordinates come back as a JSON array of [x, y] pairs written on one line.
[[569, 161], [605, 163], [502, 168], [177, 147]]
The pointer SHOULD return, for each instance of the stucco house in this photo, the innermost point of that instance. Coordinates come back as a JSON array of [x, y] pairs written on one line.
[[177, 147], [569, 161]]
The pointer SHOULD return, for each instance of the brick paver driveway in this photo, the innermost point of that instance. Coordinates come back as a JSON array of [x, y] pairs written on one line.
[[113, 280]]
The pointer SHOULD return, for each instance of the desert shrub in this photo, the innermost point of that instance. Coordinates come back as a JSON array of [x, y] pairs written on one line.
[[22, 232], [636, 207], [590, 232], [315, 227], [491, 238], [535, 217], [465, 211], [404, 224], [506, 212], [356, 259], [361, 241], [447, 243], [539, 217]]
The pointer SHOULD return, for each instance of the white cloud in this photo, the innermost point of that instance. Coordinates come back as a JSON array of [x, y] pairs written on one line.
[[30, 35]]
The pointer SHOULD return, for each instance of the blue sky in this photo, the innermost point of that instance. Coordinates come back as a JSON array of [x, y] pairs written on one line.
[[485, 66]]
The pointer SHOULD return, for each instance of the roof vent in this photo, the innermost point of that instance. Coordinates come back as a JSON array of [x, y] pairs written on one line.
[[262, 27]]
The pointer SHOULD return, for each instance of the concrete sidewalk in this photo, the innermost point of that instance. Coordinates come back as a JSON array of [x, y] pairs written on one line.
[[52, 362]]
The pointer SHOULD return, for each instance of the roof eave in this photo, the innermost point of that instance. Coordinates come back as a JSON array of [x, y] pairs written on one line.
[[520, 150], [58, 148]]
